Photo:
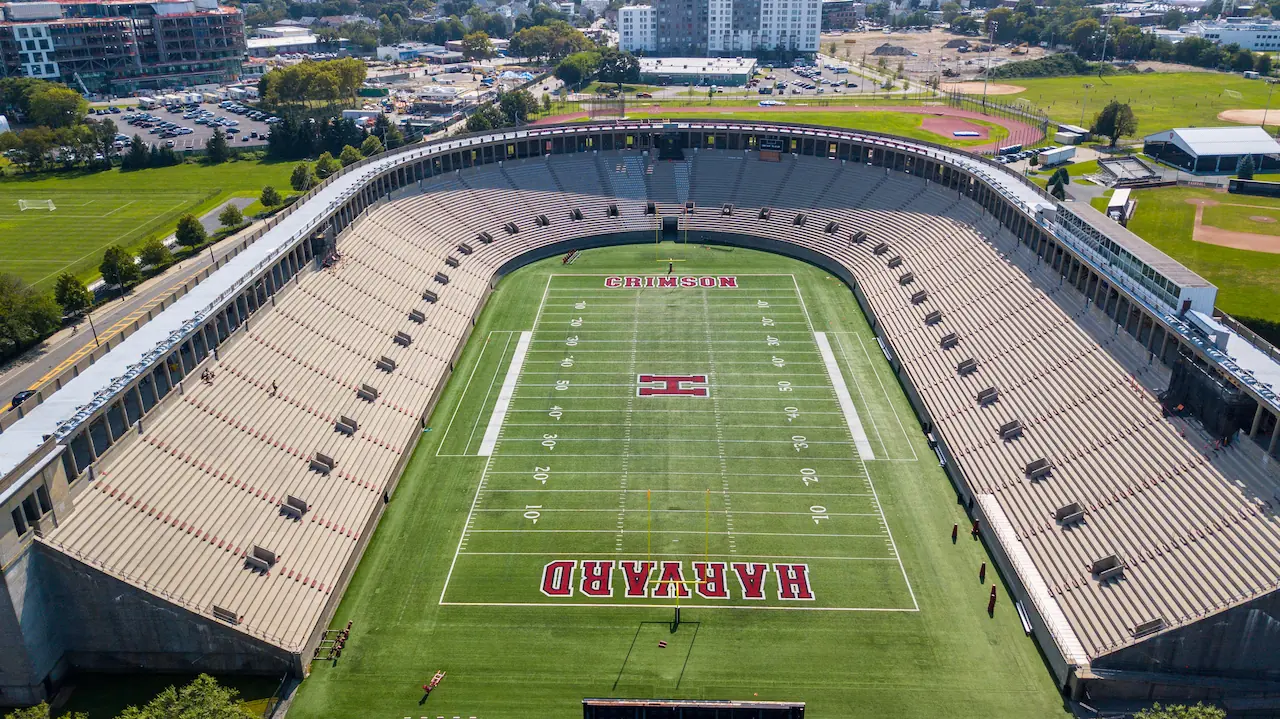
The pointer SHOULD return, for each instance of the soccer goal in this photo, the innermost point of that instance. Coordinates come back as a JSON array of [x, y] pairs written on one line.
[[24, 205], [1233, 94]]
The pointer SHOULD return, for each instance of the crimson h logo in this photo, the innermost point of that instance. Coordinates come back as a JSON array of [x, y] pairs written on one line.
[[663, 385]]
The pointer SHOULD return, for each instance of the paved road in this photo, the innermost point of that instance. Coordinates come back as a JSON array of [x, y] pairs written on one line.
[[40, 365]]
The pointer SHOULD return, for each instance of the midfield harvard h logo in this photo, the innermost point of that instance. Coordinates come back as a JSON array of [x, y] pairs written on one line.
[[663, 385]]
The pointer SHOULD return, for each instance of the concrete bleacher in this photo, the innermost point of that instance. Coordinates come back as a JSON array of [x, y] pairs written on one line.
[[1194, 526]]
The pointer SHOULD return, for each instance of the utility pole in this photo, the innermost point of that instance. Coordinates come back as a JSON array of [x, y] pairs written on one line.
[[986, 76], [1271, 86]]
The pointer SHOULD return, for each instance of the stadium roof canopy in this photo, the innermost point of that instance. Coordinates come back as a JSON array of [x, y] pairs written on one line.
[[1209, 141]]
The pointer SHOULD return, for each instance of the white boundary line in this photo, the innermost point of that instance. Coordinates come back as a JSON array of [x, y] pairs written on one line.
[[466, 387], [842, 396], [688, 603], [504, 396]]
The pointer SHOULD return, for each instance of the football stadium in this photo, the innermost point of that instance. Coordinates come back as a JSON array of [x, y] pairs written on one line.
[[650, 419]]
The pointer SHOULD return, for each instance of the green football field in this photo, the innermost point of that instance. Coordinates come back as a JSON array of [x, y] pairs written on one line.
[[742, 449]]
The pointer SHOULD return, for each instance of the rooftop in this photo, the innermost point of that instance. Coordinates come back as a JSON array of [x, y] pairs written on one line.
[[1204, 141]]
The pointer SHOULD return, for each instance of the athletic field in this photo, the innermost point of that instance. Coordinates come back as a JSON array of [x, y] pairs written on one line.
[[728, 437]]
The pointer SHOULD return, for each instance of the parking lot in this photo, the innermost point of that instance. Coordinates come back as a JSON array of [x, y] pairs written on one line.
[[189, 127]]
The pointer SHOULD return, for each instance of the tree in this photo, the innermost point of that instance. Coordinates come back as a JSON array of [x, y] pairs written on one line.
[[950, 11], [1245, 168], [231, 216], [517, 106], [302, 178], [576, 68], [1034, 160], [476, 46], [25, 315], [1174, 19], [41, 711], [619, 67], [546, 104], [1058, 192], [269, 196], [118, 267], [349, 156], [326, 165], [137, 157], [1242, 60], [203, 698], [190, 233], [1262, 64], [1181, 711], [71, 293], [1115, 121], [154, 253], [216, 148], [965, 25], [389, 134], [56, 106], [371, 146]]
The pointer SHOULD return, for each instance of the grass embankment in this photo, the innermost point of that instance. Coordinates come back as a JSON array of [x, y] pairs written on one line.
[[98, 209]]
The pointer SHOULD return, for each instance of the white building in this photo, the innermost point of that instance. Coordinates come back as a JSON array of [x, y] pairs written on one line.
[[1256, 34], [714, 27], [637, 28]]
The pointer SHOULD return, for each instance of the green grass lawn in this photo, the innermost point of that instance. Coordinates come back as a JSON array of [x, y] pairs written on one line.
[[1160, 100], [98, 209], [629, 87], [1239, 219], [585, 468], [904, 124], [1248, 282]]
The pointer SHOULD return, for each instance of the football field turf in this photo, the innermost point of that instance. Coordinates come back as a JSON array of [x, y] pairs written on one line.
[[605, 452]]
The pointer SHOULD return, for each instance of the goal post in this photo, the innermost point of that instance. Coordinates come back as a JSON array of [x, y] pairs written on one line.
[[24, 205]]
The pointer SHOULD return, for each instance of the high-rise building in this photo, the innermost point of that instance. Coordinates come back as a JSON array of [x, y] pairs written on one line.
[[720, 27], [118, 46]]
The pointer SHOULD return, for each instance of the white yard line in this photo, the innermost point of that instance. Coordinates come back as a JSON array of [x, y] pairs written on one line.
[[871, 416], [466, 528], [492, 380], [504, 396], [788, 608], [463, 397], [842, 396], [906, 437]]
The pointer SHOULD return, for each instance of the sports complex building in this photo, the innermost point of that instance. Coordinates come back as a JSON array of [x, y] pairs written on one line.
[[160, 524]]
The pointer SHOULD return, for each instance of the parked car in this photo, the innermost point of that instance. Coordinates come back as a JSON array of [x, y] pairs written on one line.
[[21, 397]]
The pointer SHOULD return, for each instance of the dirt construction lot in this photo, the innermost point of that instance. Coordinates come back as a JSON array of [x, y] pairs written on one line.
[[930, 56]]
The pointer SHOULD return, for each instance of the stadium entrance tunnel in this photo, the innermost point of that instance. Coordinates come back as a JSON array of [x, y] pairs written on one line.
[[959, 265]]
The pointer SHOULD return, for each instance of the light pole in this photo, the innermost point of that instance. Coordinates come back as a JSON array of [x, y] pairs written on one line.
[[986, 76], [1271, 86], [1087, 87]]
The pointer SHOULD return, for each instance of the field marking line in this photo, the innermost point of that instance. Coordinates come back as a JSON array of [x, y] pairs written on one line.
[[842, 443], [870, 484], [546, 510], [467, 386], [130, 202], [914, 457], [676, 554], [490, 439], [860, 440], [624, 476], [698, 532], [808, 320], [466, 528], [476, 424], [558, 605], [695, 474], [670, 491], [871, 416], [112, 241]]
